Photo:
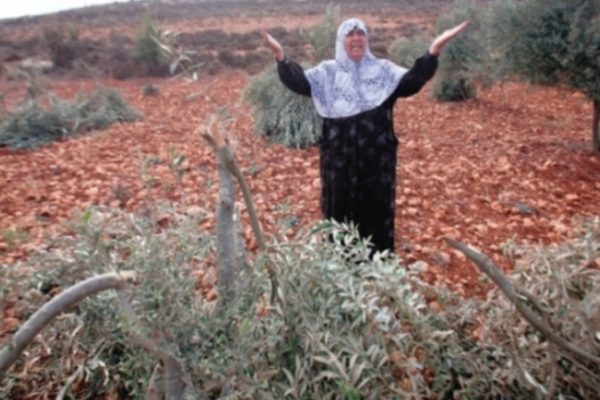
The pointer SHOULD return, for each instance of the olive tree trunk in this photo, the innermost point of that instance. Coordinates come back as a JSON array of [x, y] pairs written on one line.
[[596, 127], [225, 232], [210, 132]]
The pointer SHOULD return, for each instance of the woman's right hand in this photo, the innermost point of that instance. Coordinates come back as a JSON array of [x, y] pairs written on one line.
[[272, 45]]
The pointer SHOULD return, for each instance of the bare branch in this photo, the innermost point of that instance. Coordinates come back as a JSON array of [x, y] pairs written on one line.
[[173, 370], [155, 389], [487, 266], [54, 307], [63, 392]]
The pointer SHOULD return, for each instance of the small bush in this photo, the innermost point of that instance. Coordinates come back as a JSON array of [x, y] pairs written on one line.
[[147, 51], [322, 35], [455, 74], [32, 125], [231, 59], [454, 89], [280, 115], [63, 44], [405, 51], [247, 41], [150, 90], [283, 116]]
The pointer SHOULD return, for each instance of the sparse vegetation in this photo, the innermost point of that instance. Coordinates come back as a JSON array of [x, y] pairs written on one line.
[[150, 90]]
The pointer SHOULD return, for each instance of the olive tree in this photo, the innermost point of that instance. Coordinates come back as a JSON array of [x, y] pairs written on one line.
[[551, 42]]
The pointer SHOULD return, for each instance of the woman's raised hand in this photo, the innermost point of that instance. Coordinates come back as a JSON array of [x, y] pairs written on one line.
[[446, 36], [272, 44]]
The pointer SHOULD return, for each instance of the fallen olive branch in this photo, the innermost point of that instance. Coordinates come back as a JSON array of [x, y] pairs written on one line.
[[174, 383], [54, 307], [487, 266]]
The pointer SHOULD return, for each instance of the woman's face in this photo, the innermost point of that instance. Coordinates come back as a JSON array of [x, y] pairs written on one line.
[[355, 43]]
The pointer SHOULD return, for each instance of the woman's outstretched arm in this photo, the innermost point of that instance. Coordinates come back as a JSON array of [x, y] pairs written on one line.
[[291, 73], [425, 66], [445, 37]]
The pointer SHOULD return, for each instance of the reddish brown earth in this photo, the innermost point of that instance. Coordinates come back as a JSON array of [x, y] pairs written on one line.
[[464, 170]]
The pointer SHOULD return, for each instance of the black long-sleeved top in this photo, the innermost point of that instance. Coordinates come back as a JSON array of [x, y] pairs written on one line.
[[358, 156]]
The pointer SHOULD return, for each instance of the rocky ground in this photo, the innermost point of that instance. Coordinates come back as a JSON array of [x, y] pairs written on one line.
[[511, 166]]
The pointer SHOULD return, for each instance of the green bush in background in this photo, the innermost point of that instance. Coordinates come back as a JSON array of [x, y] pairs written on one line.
[[322, 35], [455, 77], [63, 44], [551, 42], [405, 50], [147, 51]]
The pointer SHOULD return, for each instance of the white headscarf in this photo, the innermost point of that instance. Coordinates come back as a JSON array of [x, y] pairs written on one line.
[[343, 87]]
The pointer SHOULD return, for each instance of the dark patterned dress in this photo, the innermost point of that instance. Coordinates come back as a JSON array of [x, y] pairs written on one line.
[[358, 156]]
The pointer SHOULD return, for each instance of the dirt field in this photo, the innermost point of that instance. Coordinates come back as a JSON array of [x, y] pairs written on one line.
[[512, 165]]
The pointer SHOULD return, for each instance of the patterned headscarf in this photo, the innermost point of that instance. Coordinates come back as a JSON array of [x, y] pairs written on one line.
[[343, 88]]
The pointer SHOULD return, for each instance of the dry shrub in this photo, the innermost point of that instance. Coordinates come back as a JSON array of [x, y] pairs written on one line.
[[231, 59]]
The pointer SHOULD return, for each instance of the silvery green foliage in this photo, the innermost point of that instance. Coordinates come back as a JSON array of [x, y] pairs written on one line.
[[32, 125], [281, 115], [322, 36], [343, 326], [405, 50], [337, 318], [565, 280]]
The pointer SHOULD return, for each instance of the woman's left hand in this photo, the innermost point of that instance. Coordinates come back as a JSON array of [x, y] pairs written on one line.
[[446, 36]]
